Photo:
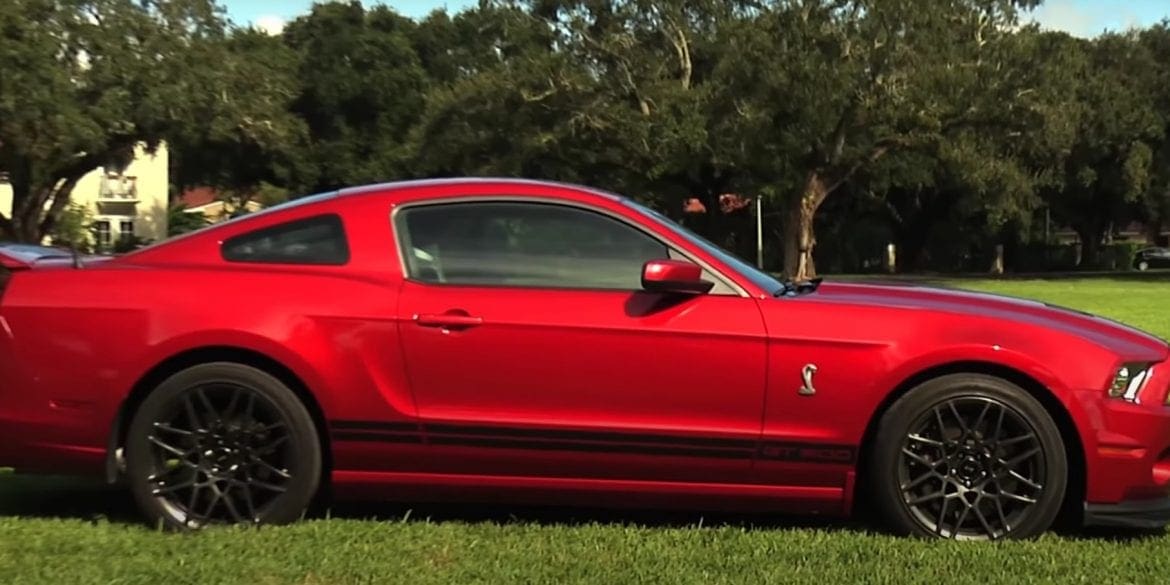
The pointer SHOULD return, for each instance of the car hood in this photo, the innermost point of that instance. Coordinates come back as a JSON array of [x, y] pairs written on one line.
[[1117, 337]]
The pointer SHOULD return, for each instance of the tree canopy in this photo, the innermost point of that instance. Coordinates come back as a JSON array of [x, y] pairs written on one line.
[[86, 81]]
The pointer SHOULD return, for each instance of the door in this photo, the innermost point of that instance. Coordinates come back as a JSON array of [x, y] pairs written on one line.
[[531, 349]]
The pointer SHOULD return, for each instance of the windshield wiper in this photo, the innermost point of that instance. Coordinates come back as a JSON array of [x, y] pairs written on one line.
[[791, 289]]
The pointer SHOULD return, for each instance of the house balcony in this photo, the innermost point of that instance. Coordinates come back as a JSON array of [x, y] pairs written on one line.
[[118, 189]]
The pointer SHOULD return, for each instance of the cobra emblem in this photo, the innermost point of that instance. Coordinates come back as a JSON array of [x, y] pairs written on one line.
[[806, 377]]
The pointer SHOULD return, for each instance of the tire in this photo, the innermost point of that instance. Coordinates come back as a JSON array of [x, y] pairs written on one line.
[[1143, 265], [222, 443], [983, 481]]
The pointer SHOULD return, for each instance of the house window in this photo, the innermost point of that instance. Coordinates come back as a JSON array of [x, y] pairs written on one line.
[[102, 227], [126, 229]]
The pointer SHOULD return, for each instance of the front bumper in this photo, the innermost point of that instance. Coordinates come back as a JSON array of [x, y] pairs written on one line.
[[1141, 514], [1127, 446]]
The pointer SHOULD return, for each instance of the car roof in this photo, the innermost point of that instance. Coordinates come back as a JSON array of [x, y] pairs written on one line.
[[338, 196], [480, 181], [412, 184]]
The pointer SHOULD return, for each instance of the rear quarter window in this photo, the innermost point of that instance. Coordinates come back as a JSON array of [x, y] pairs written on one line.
[[318, 240]]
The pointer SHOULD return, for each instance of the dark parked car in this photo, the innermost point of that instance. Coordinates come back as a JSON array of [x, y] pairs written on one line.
[[1148, 258]]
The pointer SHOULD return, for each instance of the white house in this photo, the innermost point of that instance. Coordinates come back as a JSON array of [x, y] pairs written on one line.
[[129, 201]]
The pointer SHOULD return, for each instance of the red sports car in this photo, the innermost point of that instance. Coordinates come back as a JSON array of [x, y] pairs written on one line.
[[487, 340]]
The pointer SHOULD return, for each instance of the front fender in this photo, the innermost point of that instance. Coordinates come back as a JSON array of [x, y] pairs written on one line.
[[1076, 401], [975, 354]]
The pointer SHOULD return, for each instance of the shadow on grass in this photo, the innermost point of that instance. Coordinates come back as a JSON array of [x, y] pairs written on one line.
[[54, 497], [85, 499], [72, 498], [576, 516]]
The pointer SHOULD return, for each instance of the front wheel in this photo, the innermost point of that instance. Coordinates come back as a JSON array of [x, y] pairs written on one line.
[[970, 457], [222, 443]]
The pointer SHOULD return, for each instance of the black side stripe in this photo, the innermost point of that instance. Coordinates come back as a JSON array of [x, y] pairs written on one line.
[[597, 436], [554, 445], [372, 437], [376, 432], [808, 452], [591, 441], [367, 425]]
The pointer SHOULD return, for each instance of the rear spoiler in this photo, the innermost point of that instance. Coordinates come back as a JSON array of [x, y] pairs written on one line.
[[11, 262], [15, 258]]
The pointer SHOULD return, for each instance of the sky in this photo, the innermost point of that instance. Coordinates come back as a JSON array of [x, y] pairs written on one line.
[[1084, 18], [271, 15]]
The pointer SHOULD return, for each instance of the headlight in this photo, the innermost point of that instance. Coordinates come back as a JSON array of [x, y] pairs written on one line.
[[1129, 380]]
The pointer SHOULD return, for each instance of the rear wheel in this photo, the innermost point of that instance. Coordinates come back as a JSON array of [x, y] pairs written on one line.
[[1143, 265], [222, 443], [968, 456]]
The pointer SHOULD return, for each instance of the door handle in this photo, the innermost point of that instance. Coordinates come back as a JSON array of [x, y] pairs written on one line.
[[448, 320]]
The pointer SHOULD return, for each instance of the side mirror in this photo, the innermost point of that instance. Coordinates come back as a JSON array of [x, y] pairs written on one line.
[[674, 276]]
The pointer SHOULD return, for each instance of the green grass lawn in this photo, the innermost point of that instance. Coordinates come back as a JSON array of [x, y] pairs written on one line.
[[64, 531]]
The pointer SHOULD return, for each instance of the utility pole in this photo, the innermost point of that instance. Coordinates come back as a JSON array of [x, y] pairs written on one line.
[[760, 232]]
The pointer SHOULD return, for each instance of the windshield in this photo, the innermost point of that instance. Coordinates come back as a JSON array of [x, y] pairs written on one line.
[[755, 275]]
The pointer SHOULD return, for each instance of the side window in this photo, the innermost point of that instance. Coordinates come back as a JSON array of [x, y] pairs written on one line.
[[524, 244], [315, 240]]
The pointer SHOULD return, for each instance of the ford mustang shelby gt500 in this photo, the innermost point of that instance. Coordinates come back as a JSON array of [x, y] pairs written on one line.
[[512, 340]]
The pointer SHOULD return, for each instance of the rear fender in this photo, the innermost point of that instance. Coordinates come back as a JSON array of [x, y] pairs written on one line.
[[237, 339]]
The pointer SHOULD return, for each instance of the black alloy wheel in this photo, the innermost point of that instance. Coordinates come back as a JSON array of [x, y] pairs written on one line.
[[969, 457], [222, 443]]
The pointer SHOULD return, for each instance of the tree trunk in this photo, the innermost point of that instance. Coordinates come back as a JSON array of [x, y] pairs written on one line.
[[7, 230], [1090, 245], [997, 260], [16, 227], [27, 233], [25, 224], [60, 201], [913, 223], [26, 218], [36, 208], [38, 204], [911, 241], [799, 237], [1153, 229]]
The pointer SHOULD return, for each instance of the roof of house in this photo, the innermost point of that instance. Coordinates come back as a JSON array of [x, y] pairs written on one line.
[[728, 202], [198, 196]]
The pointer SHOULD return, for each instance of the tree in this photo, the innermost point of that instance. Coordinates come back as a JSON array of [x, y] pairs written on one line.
[[987, 176], [509, 109], [1155, 200], [613, 94], [259, 76], [72, 228], [859, 79], [86, 81], [654, 110], [1109, 165], [181, 221], [362, 88]]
